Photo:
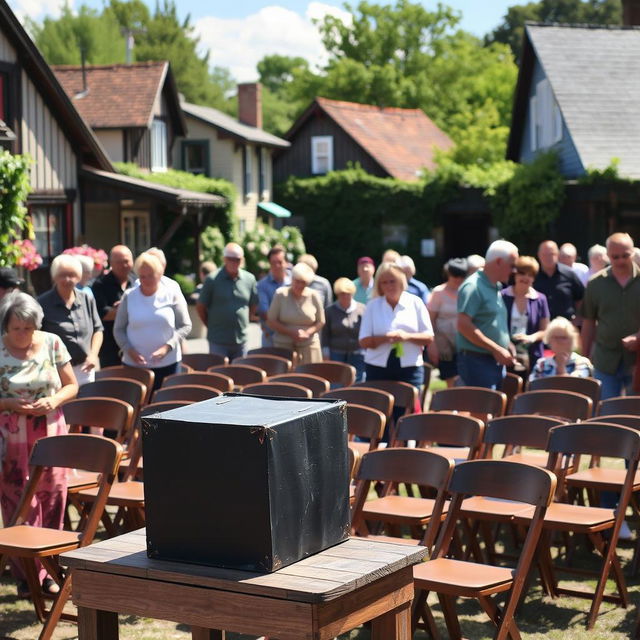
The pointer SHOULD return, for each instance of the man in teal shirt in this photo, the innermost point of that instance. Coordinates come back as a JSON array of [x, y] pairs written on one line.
[[483, 342], [364, 281], [227, 302]]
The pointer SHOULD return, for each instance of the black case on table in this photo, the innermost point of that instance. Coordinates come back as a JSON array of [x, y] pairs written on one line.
[[246, 482]]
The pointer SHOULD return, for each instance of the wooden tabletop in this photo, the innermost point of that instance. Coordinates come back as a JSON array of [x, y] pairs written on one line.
[[322, 577]]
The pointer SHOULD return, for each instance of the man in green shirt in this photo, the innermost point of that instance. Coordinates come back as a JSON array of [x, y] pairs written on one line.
[[228, 301], [611, 312]]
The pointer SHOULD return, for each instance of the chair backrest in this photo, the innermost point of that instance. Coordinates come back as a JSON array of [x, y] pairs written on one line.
[[365, 422], [316, 384], [354, 462], [273, 365], [289, 354], [109, 414], [184, 368], [366, 396], [146, 376], [159, 407], [589, 387], [622, 420], [512, 385], [629, 405], [520, 431], [241, 374], [405, 395], [558, 404], [202, 361], [277, 389], [186, 392], [477, 401], [73, 451], [338, 373], [444, 428], [131, 391], [205, 379]]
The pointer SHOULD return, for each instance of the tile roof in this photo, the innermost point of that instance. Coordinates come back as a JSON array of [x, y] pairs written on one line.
[[221, 120], [119, 95], [595, 76], [400, 140]]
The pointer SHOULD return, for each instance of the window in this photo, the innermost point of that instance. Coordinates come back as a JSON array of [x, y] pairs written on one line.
[[135, 231], [48, 225], [321, 154], [159, 146], [263, 159], [545, 118], [195, 156], [247, 161]]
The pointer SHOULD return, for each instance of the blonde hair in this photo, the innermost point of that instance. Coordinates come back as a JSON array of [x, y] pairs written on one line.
[[147, 259], [388, 267], [565, 326], [343, 285], [309, 260], [302, 271]]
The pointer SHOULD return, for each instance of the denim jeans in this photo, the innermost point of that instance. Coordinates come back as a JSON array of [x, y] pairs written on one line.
[[355, 359], [230, 350], [612, 384], [480, 370]]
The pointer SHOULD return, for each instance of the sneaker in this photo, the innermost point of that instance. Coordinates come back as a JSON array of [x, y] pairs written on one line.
[[50, 587], [625, 531]]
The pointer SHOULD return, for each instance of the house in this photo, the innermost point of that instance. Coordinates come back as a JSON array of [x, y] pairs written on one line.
[[238, 150], [386, 141]]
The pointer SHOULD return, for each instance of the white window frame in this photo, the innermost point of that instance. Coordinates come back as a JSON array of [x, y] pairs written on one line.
[[264, 171], [321, 158], [545, 117], [135, 230], [159, 146], [247, 185]]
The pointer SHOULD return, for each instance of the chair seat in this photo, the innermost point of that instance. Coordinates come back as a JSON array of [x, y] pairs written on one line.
[[601, 478], [572, 517], [400, 509], [492, 509], [122, 494], [78, 479], [453, 453], [360, 447], [456, 577], [25, 541], [536, 459]]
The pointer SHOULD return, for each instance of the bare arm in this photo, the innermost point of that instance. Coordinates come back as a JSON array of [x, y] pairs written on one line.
[[201, 310], [68, 391], [475, 336], [587, 335]]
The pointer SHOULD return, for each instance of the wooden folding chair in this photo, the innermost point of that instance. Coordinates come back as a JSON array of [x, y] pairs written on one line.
[[273, 365], [512, 385], [316, 384], [217, 381], [202, 361], [451, 578], [340, 374], [30, 544], [186, 392], [628, 405], [476, 401], [589, 387], [289, 354], [364, 422], [557, 404], [241, 374], [146, 376], [277, 389], [401, 466], [365, 396], [131, 391], [450, 434]]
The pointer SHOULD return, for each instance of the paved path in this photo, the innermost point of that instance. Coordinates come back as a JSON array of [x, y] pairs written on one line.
[[200, 345]]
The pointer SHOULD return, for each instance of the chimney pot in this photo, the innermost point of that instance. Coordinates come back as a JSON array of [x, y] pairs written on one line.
[[250, 104], [631, 13]]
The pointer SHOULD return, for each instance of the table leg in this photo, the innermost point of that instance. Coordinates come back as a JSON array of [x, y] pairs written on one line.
[[97, 625], [200, 633], [393, 625]]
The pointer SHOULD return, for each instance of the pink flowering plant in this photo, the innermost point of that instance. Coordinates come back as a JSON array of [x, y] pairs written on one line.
[[27, 256], [98, 256]]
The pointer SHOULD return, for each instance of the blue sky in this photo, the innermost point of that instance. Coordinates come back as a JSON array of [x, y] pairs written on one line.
[[241, 33]]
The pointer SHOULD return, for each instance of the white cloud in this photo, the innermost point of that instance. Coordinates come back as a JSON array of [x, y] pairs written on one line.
[[240, 43], [36, 9]]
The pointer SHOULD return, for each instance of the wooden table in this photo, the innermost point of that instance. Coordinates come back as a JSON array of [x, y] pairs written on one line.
[[317, 598]]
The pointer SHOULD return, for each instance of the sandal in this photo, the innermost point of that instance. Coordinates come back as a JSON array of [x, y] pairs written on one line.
[[50, 587]]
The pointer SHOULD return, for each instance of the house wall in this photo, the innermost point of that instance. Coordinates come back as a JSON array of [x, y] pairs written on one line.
[[111, 140], [570, 163], [7, 52], [102, 224], [296, 160]]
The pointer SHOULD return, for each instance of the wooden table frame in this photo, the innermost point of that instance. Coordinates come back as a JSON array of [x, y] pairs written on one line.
[[317, 598]]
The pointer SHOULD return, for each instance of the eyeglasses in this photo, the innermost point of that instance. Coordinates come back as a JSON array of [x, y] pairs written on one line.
[[621, 256]]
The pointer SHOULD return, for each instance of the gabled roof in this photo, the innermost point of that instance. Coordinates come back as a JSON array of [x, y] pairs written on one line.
[[84, 142], [595, 76], [401, 141], [120, 96], [225, 123]]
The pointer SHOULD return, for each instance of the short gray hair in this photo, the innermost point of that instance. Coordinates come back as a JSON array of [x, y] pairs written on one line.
[[87, 263], [22, 306], [598, 250], [500, 249], [302, 271], [65, 260]]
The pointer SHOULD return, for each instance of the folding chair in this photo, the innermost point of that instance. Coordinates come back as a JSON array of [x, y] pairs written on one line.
[[273, 365], [589, 387], [131, 391], [241, 374], [512, 385], [628, 405], [476, 401], [366, 396], [557, 404], [316, 384], [340, 374], [186, 392], [202, 361], [213, 380], [30, 544], [146, 376], [364, 422], [289, 354], [277, 389], [451, 578]]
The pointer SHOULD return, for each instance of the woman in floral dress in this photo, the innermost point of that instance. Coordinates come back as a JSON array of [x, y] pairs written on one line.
[[35, 379]]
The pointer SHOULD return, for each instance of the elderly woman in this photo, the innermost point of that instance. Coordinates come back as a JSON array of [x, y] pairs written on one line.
[[340, 333], [88, 266], [72, 314], [562, 337], [35, 379], [527, 313], [151, 321], [296, 315], [395, 328]]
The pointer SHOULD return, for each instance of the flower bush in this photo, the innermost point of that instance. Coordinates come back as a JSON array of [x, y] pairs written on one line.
[[99, 256], [259, 241], [26, 255]]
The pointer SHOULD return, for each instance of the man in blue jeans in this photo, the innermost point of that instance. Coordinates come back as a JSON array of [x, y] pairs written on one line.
[[483, 343]]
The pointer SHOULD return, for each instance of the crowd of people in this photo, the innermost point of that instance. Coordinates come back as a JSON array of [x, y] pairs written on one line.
[[538, 317]]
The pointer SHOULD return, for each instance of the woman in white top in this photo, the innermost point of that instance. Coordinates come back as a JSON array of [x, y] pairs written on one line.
[[395, 329], [151, 321]]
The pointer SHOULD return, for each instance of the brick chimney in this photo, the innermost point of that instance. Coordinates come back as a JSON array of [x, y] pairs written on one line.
[[631, 13], [250, 104]]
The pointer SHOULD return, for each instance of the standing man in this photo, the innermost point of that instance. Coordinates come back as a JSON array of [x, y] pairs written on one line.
[[611, 312], [568, 256], [227, 303], [483, 343], [414, 286], [276, 278], [558, 282], [108, 289], [364, 281], [319, 283], [9, 281]]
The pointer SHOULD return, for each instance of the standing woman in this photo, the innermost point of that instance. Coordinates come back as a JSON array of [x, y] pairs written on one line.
[[35, 379], [395, 328], [151, 321], [72, 314], [296, 315]]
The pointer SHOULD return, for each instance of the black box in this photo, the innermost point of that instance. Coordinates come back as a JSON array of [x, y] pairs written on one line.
[[246, 482]]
